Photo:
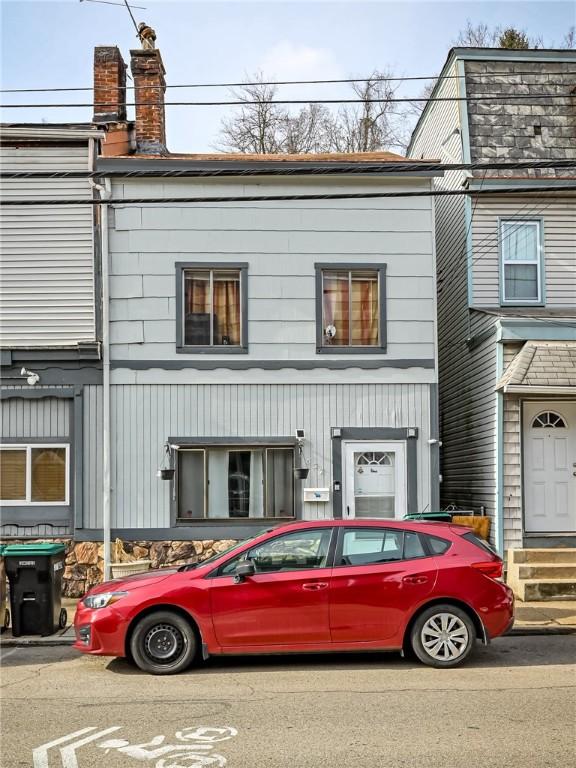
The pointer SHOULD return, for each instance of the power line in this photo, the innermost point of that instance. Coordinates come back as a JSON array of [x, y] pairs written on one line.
[[286, 198], [306, 167], [247, 84], [253, 102]]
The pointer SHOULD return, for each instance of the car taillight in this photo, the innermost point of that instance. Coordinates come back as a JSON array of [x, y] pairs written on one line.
[[490, 568]]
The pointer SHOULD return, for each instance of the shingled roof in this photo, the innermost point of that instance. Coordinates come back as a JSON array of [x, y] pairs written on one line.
[[541, 364]]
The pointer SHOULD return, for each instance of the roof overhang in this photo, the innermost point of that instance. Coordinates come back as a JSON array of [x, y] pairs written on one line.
[[258, 167], [46, 133], [541, 368]]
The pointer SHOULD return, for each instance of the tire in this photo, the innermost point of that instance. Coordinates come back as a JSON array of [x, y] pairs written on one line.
[[63, 618], [163, 643], [431, 624]]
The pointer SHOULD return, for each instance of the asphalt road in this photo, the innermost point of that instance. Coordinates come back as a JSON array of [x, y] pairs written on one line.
[[514, 704]]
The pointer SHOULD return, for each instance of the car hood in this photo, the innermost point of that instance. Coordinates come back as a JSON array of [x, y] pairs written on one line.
[[133, 582]]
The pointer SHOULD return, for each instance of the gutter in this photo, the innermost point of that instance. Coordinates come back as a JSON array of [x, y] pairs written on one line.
[[106, 484], [528, 390]]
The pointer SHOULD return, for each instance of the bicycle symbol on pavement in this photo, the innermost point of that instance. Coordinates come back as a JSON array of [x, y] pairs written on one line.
[[192, 747]]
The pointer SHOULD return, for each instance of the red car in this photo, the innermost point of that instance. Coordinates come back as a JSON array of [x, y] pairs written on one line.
[[308, 586]]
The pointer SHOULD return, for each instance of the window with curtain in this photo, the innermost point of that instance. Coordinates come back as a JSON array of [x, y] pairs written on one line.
[[351, 303], [34, 474], [235, 482], [212, 308], [521, 261]]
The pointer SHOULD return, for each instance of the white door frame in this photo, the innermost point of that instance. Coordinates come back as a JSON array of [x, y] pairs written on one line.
[[349, 447], [530, 409]]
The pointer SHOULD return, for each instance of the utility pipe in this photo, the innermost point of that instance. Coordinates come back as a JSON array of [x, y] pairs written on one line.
[[106, 506]]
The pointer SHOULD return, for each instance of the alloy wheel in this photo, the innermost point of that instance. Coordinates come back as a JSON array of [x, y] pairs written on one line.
[[444, 637]]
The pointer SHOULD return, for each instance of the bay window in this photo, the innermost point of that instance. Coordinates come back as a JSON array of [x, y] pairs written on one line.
[[234, 482], [34, 474], [521, 261]]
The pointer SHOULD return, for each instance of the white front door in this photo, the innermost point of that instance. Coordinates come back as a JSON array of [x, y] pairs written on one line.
[[374, 476], [550, 467]]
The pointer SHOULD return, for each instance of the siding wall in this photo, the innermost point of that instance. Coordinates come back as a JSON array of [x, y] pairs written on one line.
[[468, 423], [559, 222], [512, 460], [21, 419], [467, 374], [281, 243], [47, 274], [144, 416]]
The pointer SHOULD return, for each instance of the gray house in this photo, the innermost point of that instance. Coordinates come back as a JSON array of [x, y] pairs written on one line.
[[252, 338], [507, 292], [49, 330], [273, 359]]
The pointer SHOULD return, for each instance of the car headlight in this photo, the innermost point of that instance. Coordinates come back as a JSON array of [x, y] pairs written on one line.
[[103, 599]]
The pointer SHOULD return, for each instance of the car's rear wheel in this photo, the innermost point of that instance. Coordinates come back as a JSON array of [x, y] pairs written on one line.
[[443, 636], [163, 643]]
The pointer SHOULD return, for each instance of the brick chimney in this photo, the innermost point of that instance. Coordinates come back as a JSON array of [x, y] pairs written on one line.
[[109, 85], [148, 73]]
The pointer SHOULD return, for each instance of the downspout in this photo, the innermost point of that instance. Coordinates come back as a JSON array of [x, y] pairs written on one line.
[[105, 193]]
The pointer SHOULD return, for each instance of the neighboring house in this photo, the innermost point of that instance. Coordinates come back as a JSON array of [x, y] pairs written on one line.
[[507, 292], [49, 329], [258, 337]]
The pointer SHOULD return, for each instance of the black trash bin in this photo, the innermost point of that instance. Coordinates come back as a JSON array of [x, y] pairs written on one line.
[[35, 574]]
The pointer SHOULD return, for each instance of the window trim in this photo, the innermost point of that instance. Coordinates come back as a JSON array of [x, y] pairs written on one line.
[[378, 267], [232, 443], [28, 501], [539, 261], [220, 349]]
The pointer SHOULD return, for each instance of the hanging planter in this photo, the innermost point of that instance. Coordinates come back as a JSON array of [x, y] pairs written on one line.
[[166, 472], [301, 473]]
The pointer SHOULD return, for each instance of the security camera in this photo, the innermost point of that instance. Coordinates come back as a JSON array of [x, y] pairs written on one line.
[[300, 434]]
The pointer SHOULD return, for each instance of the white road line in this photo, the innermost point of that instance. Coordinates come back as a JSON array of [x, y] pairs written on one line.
[[69, 752], [8, 653], [40, 754]]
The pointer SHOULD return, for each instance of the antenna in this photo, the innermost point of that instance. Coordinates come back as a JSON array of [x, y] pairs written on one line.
[[109, 2]]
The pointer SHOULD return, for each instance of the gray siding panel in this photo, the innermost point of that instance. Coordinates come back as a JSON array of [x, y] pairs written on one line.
[[92, 445], [281, 244], [48, 417], [559, 221], [47, 275], [146, 415]]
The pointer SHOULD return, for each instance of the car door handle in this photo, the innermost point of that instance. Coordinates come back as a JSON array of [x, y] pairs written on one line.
[[315, 585], [415, 579]]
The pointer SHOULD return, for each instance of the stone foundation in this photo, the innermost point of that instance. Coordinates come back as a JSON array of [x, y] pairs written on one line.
[[84, 567]]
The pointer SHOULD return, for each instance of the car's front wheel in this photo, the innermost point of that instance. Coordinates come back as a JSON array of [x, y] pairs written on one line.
[[443, 636], [163, 643]]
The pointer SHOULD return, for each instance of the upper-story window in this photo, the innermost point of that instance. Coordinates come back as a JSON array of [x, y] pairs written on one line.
[[350, 301], [521, 254], [211, 311]]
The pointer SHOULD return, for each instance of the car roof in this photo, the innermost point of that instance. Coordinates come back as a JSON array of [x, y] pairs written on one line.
[[418, 525]]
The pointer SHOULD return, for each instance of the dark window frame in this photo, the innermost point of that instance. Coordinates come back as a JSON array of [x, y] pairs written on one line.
[[378, 267], [211, 349], [233, 443]]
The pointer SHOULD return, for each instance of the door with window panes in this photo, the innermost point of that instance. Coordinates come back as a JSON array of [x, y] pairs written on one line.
[[374, 476]]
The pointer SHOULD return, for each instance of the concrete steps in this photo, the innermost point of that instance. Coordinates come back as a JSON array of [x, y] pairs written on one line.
[[542, 574]]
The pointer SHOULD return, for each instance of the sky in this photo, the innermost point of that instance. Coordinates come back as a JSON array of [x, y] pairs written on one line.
[[49, 44]]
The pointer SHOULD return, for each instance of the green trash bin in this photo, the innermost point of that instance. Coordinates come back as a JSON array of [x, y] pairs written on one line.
[[434, 517], [4, 612], [35, 574]]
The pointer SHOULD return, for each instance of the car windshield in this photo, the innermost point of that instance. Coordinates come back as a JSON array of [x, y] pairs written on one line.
[[191, 566]]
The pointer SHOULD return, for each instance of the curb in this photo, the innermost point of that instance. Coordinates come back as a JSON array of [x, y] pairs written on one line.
[[528, 631]]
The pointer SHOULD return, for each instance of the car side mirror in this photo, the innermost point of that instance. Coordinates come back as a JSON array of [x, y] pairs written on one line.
[[243, 570]]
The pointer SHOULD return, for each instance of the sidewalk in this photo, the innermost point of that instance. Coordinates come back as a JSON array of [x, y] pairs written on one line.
[[543, 618]]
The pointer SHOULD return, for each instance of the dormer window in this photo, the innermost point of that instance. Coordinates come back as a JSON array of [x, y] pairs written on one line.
[[521, 261]]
